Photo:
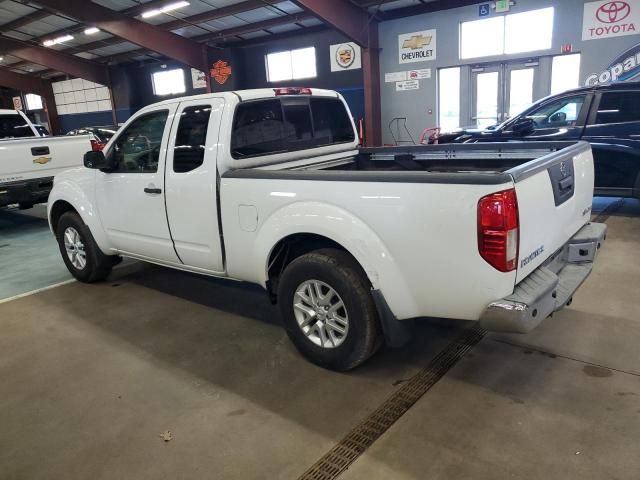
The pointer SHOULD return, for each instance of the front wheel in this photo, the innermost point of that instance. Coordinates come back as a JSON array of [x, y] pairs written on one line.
[[80, 253], [327, 308]]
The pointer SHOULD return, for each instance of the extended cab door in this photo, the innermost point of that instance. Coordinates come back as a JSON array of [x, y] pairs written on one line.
[[192, 184], [130, 197]]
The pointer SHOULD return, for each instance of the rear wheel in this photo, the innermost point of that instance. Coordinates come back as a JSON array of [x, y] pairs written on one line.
[[328, 311], [80, 253]]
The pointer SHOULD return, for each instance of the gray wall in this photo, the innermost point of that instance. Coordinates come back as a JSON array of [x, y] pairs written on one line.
[[596, 55]]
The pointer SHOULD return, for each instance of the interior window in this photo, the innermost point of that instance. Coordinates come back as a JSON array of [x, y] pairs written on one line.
[[561, 113], [297, 118], [257, 129], [331, 123], [14, 126], [618, 107], [137, 149], [191, 138]]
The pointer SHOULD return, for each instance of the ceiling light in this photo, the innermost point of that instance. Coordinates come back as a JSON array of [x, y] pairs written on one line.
[[91, 30], [55, 41], [165, 9], [1, 59]]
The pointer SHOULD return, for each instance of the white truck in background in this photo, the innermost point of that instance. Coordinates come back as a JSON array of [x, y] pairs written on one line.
[[270, 186], [29, 160]]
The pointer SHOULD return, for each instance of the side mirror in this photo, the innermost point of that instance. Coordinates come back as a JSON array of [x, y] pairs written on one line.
[[524, 126], [96, 160]]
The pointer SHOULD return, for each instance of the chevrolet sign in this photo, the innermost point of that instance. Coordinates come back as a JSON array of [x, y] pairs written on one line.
[[417, 46]]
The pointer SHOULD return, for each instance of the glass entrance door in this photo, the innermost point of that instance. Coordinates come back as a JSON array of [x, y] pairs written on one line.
[[500, 91]]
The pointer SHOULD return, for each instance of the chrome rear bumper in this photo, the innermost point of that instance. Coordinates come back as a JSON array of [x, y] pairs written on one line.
[[550, 287]]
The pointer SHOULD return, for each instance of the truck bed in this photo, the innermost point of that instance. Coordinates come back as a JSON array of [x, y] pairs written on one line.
[[479, 163]]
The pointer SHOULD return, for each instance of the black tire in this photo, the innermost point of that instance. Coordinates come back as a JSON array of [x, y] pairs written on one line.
[[98, 265], [341, 272]]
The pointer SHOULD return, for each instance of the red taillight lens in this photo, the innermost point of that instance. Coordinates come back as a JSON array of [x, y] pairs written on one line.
[[498, 233], [292, 91], [96, 146]]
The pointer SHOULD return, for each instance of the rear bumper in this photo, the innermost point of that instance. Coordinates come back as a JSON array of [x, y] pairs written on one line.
[[550, 287], [26, 191]]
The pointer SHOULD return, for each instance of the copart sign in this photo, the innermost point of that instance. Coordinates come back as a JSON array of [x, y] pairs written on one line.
[[624, 68], [608, 18], [417, 46]]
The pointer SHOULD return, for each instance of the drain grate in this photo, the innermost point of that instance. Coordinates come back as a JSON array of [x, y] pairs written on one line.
[[354, 444]]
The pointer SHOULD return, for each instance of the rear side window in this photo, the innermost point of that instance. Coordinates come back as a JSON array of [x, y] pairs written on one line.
[[191, 138], [331, 123], [258, 129], [14, 126], [291, 123], [618, 107]]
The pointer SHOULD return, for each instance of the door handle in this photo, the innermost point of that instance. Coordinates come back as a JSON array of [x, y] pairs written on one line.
[[38, 151], [153, 190], [565, 183]]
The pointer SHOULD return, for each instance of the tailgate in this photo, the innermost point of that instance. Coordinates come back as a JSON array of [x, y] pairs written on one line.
[[554, 194], [25, 159]]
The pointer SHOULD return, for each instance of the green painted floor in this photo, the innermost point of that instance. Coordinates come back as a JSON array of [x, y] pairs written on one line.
[[29, 256]]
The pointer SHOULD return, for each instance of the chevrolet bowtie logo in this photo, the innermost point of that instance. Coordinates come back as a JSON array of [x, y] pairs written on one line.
[[42, 160], [417, 41]]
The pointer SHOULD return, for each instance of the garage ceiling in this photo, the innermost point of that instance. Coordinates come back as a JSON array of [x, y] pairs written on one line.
[[214, 22]]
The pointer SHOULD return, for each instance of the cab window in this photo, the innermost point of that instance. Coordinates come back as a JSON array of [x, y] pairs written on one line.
[[191, 138], [14, 126], [560, 113], [137, 148]]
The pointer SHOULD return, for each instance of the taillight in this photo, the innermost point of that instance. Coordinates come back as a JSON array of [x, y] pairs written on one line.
[[292, 91], [498, 234], [96, 146]]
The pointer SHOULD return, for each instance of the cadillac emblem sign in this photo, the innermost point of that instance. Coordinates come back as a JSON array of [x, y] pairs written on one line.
[[345, 55], [221, 71]]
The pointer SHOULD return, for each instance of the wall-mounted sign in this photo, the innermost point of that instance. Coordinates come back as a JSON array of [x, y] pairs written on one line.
[[625, 68], [395, 77], [407, 85], [198, 79], [345, 56], [419, 74], [503, 6], [417, 46], [221, 71], [484, 10], [17, 103], [607, 18]]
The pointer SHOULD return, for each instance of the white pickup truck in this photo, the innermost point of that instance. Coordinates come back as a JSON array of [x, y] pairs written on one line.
[[269, 186], [29, 160]]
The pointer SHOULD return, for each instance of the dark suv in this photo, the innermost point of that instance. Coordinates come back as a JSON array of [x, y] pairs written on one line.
[[606, 116]]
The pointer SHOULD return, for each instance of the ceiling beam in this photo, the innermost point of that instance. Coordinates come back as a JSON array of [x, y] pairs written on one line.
[[222, 35], [135, 31], [63, 62], [23, 21], [22, 82], [426, 8], [342, 15]]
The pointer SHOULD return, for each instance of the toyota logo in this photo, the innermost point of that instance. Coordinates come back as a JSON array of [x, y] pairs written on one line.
[[613, 12]]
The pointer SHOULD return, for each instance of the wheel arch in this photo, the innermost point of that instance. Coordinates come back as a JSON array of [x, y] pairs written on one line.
[[315, 225]]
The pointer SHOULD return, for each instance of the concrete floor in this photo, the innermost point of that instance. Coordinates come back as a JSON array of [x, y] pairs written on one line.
[[91, 375]]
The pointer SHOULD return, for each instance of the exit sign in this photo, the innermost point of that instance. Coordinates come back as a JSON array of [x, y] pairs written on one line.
[[503, 6]]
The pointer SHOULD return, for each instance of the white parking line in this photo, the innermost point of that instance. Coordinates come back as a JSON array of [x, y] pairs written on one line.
[[33, 292]]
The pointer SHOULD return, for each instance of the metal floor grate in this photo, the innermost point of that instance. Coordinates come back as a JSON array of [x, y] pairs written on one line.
[[354, 444]]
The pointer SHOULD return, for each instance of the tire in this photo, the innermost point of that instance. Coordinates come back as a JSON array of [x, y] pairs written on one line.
[[323, 336], [96, 265]]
